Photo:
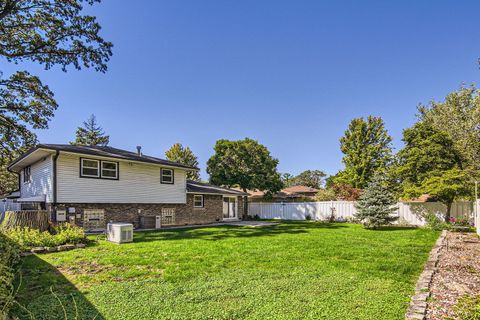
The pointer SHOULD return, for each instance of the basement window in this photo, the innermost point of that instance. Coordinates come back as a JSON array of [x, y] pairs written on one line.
[[198, 201], [166, 176]]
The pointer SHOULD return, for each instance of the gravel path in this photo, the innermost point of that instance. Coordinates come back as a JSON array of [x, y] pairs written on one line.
[[458, 274]]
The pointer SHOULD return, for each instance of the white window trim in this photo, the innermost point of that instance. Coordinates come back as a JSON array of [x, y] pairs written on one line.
[[89, 175], [171, 175], [110, 170], [202, 200]]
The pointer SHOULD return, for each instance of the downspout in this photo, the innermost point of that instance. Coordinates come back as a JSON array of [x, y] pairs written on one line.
[[54, 183]]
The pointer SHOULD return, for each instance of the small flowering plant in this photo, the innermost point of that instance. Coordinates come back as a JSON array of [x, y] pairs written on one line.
[[461, 222]]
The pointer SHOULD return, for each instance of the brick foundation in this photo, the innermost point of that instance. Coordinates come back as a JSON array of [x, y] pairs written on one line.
[[185, 214]]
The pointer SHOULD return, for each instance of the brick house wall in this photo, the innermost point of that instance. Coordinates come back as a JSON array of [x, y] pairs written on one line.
[[185, 214]]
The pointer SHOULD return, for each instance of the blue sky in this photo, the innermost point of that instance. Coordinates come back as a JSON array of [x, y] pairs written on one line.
[[291, 74]]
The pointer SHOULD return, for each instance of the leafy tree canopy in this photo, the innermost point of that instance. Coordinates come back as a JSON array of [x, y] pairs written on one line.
[[459, 117], [91, 134], [346, 192], [184, 155], [325, 194], [367, 149], [48, 32], [447, 187], [377, 204], [310, 178], [427, 152], [245, 163]]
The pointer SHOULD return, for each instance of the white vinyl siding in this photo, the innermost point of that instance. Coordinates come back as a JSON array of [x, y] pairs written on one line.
[[41, 180], [138, 183]]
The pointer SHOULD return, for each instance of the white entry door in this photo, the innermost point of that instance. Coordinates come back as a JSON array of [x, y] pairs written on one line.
[[229, 207]]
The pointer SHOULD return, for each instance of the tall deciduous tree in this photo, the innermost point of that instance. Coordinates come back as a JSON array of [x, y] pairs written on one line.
[[427, 153], [245, 163], [376, 204], [287, 179], [184, 155], [459, 117], [430, 164], [48, 32], [366, 146], [310, 178], [446, 187], [91, 134]]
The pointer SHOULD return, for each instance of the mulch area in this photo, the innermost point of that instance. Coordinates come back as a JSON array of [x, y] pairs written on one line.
[[458, 274]]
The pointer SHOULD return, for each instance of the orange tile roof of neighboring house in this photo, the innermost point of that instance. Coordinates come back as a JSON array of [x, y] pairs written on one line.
[[290, 192], [299, 189], [422, 198]]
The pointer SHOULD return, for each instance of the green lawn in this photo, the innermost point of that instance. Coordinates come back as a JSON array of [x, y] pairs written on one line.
[[295, 270]]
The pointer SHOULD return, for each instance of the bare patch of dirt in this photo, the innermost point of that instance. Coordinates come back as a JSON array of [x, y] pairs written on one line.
[[84, 268], [458, 274]]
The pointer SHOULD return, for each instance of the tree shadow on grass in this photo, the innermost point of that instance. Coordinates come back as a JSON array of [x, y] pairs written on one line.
[[231, 231], [395, 228], [45, 293]]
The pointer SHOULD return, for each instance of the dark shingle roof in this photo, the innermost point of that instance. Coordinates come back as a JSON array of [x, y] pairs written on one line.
[[104, 152], [199, 187]]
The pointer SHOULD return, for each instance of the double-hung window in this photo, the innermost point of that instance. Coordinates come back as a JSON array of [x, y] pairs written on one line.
[[91, 168], [166, 176], [109, 170], [198, 201]]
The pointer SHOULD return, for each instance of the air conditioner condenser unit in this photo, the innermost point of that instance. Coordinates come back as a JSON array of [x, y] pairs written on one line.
[[119, 232]]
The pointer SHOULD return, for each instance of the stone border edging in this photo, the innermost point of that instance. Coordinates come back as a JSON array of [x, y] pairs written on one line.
[[63, 247], [418, 305]]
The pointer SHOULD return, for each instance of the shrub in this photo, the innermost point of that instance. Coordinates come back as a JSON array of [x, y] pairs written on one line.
[[9, 256], [332, 218], [346, 192], [468, 308], [67, 233], [27, 238], [435, 223], [308, 217], [461, 222], [326, 195]]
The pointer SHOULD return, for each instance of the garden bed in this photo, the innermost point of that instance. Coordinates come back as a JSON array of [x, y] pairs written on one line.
[[456, 284]]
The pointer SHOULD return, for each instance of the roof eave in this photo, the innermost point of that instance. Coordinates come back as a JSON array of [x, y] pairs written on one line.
[[44, 147]]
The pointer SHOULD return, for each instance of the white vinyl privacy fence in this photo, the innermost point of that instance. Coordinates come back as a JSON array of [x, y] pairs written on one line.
[[408, 212], [477, 215], [8, 205]]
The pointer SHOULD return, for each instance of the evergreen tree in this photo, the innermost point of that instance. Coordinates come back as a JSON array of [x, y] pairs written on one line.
[[184, 155], [367, 149], [376, 204], [91, 134]]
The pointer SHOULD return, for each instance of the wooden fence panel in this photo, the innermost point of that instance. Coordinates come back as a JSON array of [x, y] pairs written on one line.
[[35, 219]]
